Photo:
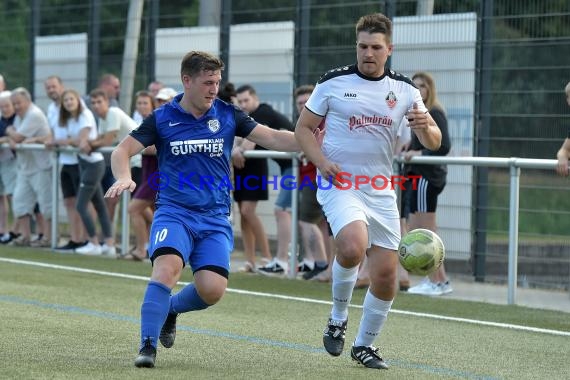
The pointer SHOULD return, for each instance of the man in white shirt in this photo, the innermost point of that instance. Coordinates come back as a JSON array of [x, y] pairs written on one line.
[[114, 126], [33, 181], [363, 104]]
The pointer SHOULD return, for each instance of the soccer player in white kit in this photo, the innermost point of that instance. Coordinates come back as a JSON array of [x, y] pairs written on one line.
[[363, 104]]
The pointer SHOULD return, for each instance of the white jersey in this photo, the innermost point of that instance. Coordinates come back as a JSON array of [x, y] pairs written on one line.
[[363, 116]]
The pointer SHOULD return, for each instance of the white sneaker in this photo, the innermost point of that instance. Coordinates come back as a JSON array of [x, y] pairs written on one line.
[[89, 249], [109, 250], [417, 289], [446, 287], [431, 290]]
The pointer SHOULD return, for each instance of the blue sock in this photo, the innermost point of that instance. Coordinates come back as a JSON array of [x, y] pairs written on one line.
[[154, 311], [187, 300]]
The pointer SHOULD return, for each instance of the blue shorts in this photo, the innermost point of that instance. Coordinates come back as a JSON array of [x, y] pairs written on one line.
[[201, 240], [285, 198]]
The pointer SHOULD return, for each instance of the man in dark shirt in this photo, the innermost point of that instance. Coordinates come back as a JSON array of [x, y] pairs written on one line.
[[247, 197]]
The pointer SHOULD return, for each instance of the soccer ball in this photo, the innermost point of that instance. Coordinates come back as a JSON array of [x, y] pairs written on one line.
[[421, 252]]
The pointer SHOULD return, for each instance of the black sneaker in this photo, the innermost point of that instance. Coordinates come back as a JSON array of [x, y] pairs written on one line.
[[368, 357], [70, 246], [168, 331], [333, 336], [316, 270], [305, 266], [272, 268], [147, 356], [7, 239]]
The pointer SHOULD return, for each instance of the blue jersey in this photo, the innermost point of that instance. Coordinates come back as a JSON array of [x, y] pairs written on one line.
[[194, 154]]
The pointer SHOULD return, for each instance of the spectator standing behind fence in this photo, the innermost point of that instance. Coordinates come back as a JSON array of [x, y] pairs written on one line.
[[310, 211], [112, 87], [7, 169], [310, 214], [363, 104], [81, 127], [563, 154], [69, 165], [33, 181], [265, 114], [141, 207], [114, 126], [189, 227], [165, 95], [423, 199], [252, 230], [228, 93], [153, 89]]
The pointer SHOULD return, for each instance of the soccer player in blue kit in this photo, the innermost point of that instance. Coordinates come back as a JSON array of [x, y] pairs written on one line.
[[194, 136]]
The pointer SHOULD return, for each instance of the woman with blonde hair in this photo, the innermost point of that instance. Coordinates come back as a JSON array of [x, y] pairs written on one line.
[[423, 199], [81, 128]]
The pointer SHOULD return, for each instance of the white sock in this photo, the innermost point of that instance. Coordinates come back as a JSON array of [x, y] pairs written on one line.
[[343, 281], [374, 314]]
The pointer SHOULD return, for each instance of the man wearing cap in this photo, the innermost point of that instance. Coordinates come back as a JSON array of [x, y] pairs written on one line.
[[165, 95]]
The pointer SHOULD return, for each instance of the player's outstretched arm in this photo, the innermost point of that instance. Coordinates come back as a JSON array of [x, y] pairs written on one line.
[[305, 135], [272, 139], [120, 164]]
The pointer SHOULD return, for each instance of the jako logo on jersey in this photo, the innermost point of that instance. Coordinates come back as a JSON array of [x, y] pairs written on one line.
[[213, 147], [391, 99], [349, 95], [213, 125], [360, 121]]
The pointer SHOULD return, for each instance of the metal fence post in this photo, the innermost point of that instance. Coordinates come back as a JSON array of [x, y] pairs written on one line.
[[54, 199], [125, 222], [294, 219], [513, 231]]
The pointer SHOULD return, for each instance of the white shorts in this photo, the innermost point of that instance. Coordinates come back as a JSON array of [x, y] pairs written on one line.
[[8, 172], [379, 212], [32, 188]]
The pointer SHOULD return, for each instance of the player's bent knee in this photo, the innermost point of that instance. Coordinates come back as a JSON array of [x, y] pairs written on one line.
[[167, 269], [350, 255], [212, 295], [211, 283]]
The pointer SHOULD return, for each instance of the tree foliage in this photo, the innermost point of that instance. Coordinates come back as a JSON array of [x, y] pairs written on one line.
[[530, 50], [14, 43]]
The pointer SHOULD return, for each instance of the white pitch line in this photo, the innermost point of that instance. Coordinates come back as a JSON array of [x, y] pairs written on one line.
[[291, 298]]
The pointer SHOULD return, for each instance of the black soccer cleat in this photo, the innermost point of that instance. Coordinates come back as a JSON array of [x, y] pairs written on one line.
[[368, 357], [316, 270], [333, 336], [147, 356], [168, 331]]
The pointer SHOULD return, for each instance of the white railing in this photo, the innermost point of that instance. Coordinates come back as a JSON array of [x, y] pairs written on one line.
[[514, 164]]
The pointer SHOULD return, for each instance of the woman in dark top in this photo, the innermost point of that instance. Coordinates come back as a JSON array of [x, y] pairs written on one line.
[[423, 199]]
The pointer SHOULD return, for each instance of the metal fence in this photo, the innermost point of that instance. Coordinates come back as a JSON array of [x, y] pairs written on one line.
[[513, 164], [500, 67]]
